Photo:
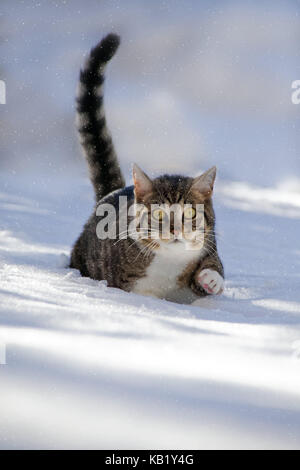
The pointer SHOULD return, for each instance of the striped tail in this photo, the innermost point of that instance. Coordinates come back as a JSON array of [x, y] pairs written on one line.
[[105, 172]]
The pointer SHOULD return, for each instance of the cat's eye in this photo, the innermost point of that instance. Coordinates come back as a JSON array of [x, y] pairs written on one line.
[[158, 214], [189, 213]]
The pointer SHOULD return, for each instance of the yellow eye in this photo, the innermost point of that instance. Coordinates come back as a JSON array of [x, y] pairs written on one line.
[[158, 214], [189, 213]]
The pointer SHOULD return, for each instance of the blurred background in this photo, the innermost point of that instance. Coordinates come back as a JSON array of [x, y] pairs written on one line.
[[194, 84]]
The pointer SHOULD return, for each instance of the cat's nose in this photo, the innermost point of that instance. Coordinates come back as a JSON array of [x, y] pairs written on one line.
[[176, 233]]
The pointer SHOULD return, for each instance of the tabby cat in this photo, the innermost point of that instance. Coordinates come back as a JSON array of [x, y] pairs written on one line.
[[179, 267]]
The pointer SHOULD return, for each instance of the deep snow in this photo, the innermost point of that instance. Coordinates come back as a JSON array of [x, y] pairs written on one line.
[[88, 366]]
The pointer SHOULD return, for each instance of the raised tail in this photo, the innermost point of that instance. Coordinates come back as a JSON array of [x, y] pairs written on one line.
[[105, 172]]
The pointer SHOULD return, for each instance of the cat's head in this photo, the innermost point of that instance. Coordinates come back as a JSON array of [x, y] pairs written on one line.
[[174, 209]]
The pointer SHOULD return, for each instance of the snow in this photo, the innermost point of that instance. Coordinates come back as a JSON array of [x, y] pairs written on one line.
[[193, 85], [88, 366]]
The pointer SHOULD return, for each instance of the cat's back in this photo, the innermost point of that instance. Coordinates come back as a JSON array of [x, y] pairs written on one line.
[[92, 253]]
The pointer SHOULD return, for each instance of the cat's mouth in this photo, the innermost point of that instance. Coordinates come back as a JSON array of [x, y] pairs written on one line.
[[171, 241], [176, 240]]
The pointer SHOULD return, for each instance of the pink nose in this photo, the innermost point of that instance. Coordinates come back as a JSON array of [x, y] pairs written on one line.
[[176, 233]]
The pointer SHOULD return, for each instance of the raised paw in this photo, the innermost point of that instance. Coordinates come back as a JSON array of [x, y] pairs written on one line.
[[211, 281]]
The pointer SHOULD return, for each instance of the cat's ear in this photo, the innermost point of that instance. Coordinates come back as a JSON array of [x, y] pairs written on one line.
[[142, 183], [204, 184]]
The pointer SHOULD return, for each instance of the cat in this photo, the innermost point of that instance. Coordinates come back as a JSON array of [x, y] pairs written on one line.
[[180, 267]]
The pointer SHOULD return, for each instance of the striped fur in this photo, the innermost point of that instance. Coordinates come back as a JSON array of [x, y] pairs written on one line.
[[95, 138], [145, 266]]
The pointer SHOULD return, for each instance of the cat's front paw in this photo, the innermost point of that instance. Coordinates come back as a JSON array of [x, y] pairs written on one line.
[[211, 281]]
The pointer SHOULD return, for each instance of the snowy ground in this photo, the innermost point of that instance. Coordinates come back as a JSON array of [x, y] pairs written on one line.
[[92, 367]]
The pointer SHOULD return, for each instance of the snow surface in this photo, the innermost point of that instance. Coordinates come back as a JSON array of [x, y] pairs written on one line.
[[92, 367]]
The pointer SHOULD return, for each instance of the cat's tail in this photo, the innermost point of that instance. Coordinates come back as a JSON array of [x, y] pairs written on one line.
[[105, 172]]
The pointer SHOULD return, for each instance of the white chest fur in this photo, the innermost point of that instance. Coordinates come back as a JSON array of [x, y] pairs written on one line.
[[162, 274]]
